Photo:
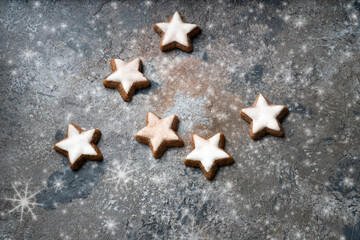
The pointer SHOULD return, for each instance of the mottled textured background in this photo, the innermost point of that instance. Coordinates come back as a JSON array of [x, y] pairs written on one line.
[[54, 56]]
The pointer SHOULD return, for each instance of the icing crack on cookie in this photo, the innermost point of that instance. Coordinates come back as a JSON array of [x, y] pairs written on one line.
[[264, 117], [79, 145], [126, 77], [159, 134], [208, 154], [176, 33]]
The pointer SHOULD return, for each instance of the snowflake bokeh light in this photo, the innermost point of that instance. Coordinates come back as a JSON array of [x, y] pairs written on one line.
[[120, 175], [110, 225], [23, 200]]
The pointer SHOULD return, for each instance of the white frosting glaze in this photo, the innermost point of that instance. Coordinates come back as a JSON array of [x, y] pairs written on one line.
[[77, 144], [127, 73], [207, 151], [176, 30], [263, 115], [158, 130]]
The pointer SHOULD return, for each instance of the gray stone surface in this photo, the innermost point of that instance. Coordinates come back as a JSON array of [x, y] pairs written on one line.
[[54, 56]]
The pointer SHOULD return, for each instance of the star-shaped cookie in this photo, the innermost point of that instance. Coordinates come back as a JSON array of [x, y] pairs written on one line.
[[264, 117], [176, 33], [159, 134], [79, 145], [126, 77], [208, 154]]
